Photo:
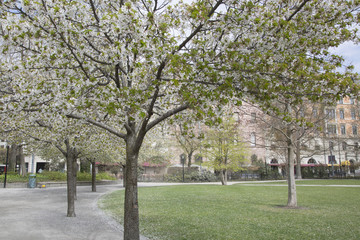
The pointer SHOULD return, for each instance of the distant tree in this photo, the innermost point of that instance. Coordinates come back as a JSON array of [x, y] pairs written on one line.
[[2, 155], [224, 148], [156, 148], [189, 139], [52, 155]]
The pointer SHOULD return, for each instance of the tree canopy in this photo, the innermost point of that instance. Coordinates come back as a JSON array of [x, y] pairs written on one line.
[[126, 66]]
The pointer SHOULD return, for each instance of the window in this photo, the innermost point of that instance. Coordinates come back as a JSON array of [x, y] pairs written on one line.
[[253, 117], [331, 129], [343, 130], [330, 113], [331, 159], [354, 130], [344, 145], [352, 101], [253, 139], [353, 114], [342, 115], [311, 161], [274, 161], [341, 101]]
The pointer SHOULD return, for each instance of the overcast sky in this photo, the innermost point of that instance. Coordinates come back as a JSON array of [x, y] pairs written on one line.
[[351, 53]]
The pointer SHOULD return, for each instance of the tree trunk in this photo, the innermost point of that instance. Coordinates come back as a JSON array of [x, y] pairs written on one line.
[[292, 199], [70, 159], [12, 157], [298, 162], [22, 162], [189, 159], [223, 176], [93, 176], [131, 206], [75, 170]]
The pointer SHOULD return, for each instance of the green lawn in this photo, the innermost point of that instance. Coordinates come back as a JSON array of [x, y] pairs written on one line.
[[243, 212]]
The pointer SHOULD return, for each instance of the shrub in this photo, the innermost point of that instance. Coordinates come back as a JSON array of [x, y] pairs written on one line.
[[83, 176], [205, 176], [53, 176], [13, 177]]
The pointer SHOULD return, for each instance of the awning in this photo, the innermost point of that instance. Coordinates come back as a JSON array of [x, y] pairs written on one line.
[[346, 163]]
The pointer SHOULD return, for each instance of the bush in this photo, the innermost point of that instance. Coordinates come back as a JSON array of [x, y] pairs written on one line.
[[104, 176], [53, 176], [205, 176], [13, 177], [82, 176]]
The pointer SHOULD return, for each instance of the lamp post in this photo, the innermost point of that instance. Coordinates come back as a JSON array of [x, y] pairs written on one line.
[[332, 159]]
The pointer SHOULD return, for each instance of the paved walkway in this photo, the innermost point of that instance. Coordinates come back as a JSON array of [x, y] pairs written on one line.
[[40, 214]]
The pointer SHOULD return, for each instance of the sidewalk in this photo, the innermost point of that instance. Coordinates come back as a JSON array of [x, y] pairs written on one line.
[[40, 214]]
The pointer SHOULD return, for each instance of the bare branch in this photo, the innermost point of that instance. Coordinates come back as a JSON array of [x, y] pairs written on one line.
[[297, 10], [166, 115], [98, 124]]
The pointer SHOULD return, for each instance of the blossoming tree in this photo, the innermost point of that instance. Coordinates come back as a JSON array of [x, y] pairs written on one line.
[[126, 66]]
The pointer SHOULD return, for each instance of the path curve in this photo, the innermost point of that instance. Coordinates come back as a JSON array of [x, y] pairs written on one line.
[[40, 214]]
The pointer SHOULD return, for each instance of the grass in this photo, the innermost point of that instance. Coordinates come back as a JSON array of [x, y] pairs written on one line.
[[52, 177], [317, 182], [242, 212]]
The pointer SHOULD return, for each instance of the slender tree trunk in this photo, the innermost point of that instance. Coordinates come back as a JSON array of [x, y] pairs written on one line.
[[131, 206], [189, 159], [298, 161], [75, 167], [93, 176], [12, 157], [70, 159], [22, 162], [225, 176], [292, 198], [70, 186]]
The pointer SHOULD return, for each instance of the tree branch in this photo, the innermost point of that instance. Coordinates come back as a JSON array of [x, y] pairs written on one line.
[[218, 3], [98, 124], [297, 10], [166, 115]]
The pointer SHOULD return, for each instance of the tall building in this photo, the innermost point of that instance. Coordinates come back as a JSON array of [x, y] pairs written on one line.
[[334, 141]]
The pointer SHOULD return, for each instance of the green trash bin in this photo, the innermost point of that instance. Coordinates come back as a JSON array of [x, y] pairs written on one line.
[[32, 181]]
